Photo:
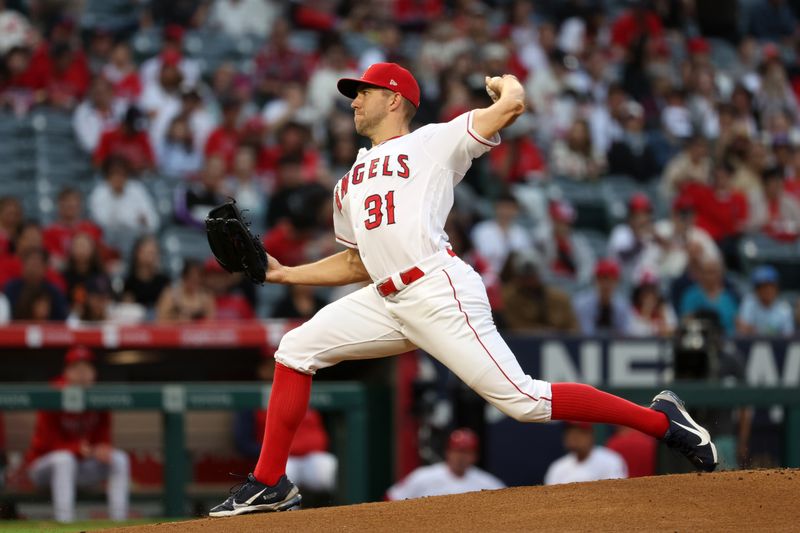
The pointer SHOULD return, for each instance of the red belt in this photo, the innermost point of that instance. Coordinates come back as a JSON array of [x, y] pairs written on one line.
[[408, 277]]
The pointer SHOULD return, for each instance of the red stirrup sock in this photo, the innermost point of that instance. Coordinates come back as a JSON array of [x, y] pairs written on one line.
[[288, 402], [584, 403]]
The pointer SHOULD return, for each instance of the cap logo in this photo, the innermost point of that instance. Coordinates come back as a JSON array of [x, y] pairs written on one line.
[[393, 83]]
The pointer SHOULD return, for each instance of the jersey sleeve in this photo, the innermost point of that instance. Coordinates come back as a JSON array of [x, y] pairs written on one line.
[[342, 228], [455, 144]]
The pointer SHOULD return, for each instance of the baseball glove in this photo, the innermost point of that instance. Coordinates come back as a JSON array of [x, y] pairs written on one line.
[[234, 246]]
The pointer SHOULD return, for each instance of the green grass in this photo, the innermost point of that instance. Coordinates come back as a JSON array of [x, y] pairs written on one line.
[[36, 526]]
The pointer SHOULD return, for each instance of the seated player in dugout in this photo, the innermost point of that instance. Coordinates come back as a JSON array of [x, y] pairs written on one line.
[[389, 212], [71, 450]]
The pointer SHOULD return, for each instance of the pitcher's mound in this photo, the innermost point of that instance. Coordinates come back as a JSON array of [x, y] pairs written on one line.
[[750, 500]]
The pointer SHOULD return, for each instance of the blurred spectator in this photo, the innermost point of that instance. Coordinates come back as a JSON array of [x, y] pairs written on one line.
[[171, 49], [187, 299], [463, 247], [244, 17], [15, 29], [22, 84], [628, 241], [98, 306], [497, 237], [291, 105], [294, 142], [762, 313], [128, 141], [529, 304], [10, 222], [636, 23], [28, 238], [173, 13], [457, 474], [601, 308], [122, 74], [230, 303], [775, 94], [584, 461], [637, 449], [674, 238], [574, 157], [334, 64], [145, 280], [771, 20], [98, 113], [299, 214], [194, 200], [278, 63], [69, 77], [298, 301], [31, 296], [178, 157], [70, 450], [310, 464], [676, 118], [82, 264], [222, 142], [692, 164], [121, 206], [248, 188], [709, 293], [777, 214], [163, 94], [652, 315], [57, 236], [565, 253], [632, 155], [518, 159], [724, 210]]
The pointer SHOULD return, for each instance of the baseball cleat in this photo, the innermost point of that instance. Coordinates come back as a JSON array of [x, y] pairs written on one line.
[[684, 434], [252, 496]]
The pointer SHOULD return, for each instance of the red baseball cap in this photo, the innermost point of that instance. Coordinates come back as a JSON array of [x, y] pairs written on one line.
[[606, 268], [639, 202], [561, 211], [77, 354], [386, 76], [463, 439]]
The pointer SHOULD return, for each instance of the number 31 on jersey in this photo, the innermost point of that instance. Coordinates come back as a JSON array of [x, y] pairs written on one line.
[[374, 205]]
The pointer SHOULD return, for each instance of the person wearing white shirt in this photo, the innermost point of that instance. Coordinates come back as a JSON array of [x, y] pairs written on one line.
[[456, 475], [98, 113], [495, 238], [244, 17], [121, 207], [585, 461]]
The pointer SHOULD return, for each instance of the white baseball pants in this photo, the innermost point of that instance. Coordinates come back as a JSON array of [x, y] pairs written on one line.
[[314, 471], [63, 472], [446, 313]]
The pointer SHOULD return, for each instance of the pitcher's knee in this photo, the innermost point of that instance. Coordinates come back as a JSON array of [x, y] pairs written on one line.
[[527, 410], [292, 352]]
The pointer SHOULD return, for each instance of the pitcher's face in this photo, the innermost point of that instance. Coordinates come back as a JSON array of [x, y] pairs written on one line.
[[370, 108]]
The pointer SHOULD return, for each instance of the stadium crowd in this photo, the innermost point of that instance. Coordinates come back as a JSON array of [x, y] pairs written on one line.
[[658, 160]]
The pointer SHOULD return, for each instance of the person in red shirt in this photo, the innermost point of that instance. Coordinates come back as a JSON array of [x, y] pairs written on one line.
[[517, 159], [224, 140], [129, 140], [638, 450], [310, 464], [231, 303], [634, 24], [69, 76], [723, 210], [74, 449], [57, 237], [29, 238]]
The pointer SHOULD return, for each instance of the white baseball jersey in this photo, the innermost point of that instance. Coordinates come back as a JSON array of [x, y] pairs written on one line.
[[394, 202], [601, 463], [438, 480]]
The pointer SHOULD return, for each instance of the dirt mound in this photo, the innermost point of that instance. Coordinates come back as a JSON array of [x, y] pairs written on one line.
[[764, 500]]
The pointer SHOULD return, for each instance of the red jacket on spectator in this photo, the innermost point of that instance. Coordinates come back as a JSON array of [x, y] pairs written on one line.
[[233, 307], [134, 148], [270, 155], [11, 268], [638, 450], [223, 142], [285, 245], [721, 214], [514, 160], [57, 237], [57, 430], [69, 85], [626, 28], [310, 437]]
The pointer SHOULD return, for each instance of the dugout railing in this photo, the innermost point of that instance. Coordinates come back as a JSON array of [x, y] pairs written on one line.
[[351, 405]]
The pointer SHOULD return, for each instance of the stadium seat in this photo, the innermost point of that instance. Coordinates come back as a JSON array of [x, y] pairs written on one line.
[[589, 202], [758, 249], [181, 243]]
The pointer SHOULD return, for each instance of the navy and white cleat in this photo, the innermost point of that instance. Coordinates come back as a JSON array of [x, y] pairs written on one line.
[[252, 496], [684, 434]]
